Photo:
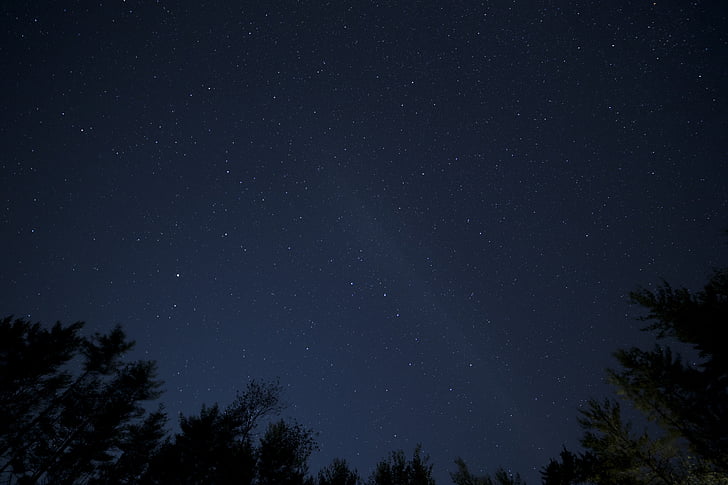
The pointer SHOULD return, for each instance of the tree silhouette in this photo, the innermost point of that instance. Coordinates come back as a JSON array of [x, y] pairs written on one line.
[[217, 446], [571, 469], [32, 380], [283, 454], [58, 427], [338, 473], [463, 476], [397, 470], [139, 442], [688, 402], [208, 449]]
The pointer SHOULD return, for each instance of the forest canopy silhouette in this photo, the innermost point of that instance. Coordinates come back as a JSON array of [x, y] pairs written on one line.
[[74, 410]]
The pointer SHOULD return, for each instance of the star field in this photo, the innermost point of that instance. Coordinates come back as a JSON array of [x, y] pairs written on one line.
[[423, 217]]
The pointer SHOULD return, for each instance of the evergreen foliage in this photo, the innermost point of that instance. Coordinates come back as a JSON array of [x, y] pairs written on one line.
[[463, 476], [687, 402], [60, 427], [72, 411]]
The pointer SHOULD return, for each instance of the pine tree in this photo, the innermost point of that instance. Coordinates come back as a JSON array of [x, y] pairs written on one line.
[[685, 402], [62, 427], [463, 476]]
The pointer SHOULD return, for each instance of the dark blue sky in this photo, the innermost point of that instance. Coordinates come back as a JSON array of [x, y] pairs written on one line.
[[424, 217]]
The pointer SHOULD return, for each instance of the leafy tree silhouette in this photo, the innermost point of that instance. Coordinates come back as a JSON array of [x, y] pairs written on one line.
[[208, 449], [217, 446], [283, 454], [338, 473], [397, 470]]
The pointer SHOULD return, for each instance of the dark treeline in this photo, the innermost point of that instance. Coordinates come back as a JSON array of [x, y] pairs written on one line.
[[74, 411]]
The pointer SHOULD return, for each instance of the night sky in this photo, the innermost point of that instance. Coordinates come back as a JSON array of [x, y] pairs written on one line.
[[423, 217]]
